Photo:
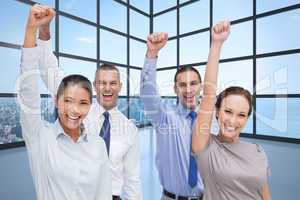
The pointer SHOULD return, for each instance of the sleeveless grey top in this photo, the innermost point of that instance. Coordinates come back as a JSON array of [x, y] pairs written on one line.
[[235, 171]]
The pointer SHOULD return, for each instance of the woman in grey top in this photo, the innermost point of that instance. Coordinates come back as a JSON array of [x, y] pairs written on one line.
[[231, 169]]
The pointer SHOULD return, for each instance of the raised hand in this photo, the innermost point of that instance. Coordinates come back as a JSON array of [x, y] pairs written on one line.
[[155, 42], [39, 16], [220, 31]]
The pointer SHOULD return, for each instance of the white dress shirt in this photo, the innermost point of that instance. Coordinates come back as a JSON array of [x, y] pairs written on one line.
[[124, 142], [61, 168]]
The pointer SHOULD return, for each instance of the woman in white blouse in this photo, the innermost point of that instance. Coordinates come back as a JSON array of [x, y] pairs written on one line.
[[66, 162]]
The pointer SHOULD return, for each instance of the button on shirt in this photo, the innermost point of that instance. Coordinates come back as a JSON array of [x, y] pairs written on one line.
[[61, 168], [173, 132], [124, 142]]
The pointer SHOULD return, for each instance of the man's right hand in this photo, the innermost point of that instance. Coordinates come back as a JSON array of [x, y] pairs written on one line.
[[155, 42]]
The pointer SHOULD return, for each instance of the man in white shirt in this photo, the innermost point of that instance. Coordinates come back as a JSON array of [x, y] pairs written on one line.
[[121, 135]]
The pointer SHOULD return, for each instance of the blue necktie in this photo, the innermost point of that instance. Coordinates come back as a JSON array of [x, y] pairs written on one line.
[[105, 131], [192, 180]]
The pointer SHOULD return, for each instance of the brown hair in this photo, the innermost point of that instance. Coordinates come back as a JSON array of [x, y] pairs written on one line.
[[108, 67], [186, 69], [235, 90]]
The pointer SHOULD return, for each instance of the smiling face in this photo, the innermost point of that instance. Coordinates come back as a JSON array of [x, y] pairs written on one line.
[[73, 105], [232, 116], [187, 88], [107, 85]]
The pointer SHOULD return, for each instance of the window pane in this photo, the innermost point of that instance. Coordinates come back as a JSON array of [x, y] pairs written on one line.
[[159, 5], [47, 2], [267, 5], [278, 75], [117, 20], [165, 23], [123, 76], [191, 11], [278, 117], [167, 55], [194, 49], [10, 128], [74, 66], [135, 77], [136, 111], [236, 44], [10, 64], [113, 47], [77, 38], [271, 38], [141, 4], [165, 82], [13, 21], [80, 8], [231, 9], [48, 109], [122, 105], [239, 73], [139, 25], [137, 53]]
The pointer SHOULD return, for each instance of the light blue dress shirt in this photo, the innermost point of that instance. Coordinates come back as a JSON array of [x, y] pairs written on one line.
[[173, 136]]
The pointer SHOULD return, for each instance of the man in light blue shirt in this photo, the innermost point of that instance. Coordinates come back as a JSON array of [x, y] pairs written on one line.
[[176, 166]]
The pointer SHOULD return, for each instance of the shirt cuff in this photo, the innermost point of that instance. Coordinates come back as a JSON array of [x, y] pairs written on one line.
[[45, 44], [150, 63]]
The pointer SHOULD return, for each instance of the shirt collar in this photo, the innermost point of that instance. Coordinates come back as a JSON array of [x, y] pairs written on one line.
[[61, 133], [102, 110], [184, 111]]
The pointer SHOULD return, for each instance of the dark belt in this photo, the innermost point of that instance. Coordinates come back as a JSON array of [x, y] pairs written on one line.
[[114, 197], [173, 196]]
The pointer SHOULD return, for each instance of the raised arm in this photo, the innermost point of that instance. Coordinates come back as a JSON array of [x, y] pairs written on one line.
[[148, 90], [29, 97], [48, 63], [201, 131]]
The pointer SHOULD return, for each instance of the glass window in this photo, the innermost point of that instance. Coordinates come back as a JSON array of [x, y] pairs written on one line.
[[238, 73], [74, 66], [77, 38], [10, 64], [194, 48], [117, 20], [191, 11], [137, 53], [165, 23], [122, 105], [278, 117], [139, 25], [165, 82], [48, 109], [141, 4], [231, 10], [249, 126], [47, 2], [267, 5], [239, 42], [278, 75], [167, 55], [10, 128], [123, 77], [12, 30], [159, 5], [80, 8], [134, 79], [271, 38], [113, 47], [137, 112]]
